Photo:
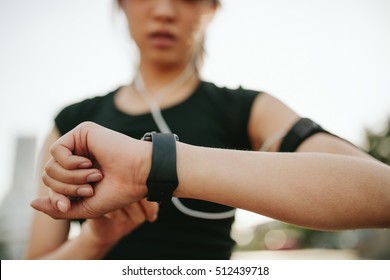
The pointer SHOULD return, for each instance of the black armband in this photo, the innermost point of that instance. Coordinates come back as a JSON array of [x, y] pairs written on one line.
[[299, 132], [162, 180]]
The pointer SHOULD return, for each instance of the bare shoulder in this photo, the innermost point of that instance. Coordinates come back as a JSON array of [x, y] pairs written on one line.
[[269, 117]]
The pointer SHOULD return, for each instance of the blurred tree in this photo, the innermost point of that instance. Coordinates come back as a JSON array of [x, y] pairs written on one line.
[[377, 242], [378, 145]]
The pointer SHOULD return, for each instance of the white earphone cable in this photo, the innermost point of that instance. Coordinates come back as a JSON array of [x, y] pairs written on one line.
[[164, 128]]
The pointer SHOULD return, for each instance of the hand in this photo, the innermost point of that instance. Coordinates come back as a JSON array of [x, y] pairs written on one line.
[[111, 227], [118, 165]]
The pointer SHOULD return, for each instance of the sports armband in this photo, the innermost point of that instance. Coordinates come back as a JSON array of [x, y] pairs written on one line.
[[162, 180], [299, 132]]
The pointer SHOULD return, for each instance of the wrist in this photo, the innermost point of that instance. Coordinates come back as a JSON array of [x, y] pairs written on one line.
[[142, 167], [162, 179], [183, 165], [96, 246]]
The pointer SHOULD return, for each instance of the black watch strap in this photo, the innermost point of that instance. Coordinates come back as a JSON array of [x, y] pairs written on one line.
[[162, 179]]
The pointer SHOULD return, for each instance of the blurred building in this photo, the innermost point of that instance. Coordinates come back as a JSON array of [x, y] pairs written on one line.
[[15, 210]]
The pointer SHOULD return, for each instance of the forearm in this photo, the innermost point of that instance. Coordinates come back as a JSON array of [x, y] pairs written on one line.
[[82, 247], [312, 190], [315, 190]]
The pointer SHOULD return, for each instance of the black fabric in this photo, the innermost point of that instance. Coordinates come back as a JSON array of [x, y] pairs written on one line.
[[210, 117], [299, 132]]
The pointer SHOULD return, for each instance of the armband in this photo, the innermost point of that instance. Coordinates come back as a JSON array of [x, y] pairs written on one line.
[[162, 180], [299, 132]]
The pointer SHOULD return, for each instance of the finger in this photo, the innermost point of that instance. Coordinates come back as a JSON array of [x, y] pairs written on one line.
[[83, 190], [59, 201], [150, 209], [135, 213], [63, 152], [78, 209], [44, 205], [77, 176]]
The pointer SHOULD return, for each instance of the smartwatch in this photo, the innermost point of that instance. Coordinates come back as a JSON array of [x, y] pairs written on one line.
[[162, 180]]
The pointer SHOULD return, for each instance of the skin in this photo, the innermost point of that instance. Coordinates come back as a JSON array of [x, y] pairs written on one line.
[[160, 63], [323, 191], [97, 236], [186, 20]]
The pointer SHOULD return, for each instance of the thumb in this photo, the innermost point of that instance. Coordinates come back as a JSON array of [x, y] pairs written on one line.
[[75, 212], [44, 205]]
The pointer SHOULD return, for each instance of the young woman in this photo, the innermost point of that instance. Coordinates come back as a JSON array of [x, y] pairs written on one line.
[[167, 95]]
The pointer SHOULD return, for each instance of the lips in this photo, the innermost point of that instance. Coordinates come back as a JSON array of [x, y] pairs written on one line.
[[162, 39]]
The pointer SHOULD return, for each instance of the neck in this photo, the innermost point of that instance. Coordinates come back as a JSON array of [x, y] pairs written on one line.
[[156, 78], [158, 84]]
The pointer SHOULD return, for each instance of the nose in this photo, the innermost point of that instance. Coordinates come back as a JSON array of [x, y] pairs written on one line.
[[164, 10]]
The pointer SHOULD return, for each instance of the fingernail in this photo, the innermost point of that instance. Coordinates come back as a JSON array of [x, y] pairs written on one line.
[[62, 206], [94, 177], [154, 218], [84, 192], [85, 165]]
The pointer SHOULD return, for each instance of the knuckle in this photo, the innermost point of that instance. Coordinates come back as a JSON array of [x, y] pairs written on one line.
[[49, 168], [51, 149], [68, 190], [139, 219], [44, 178]]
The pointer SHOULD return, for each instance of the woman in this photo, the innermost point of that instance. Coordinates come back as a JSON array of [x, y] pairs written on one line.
[[167, 95]]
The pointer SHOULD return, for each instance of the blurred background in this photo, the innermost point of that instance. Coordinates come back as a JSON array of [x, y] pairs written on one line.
[[328, 60]]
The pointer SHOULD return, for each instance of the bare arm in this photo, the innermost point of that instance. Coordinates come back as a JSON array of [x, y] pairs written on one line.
[[270, 116], [49, 237], [314, 190]]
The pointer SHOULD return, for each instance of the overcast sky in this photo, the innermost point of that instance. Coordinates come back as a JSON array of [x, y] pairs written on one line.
[[327, 59]]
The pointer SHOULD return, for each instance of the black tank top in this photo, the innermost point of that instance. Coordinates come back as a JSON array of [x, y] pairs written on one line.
[[210, 117]]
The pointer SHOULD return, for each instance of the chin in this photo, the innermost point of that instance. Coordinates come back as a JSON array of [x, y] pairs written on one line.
[[167, 60]]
